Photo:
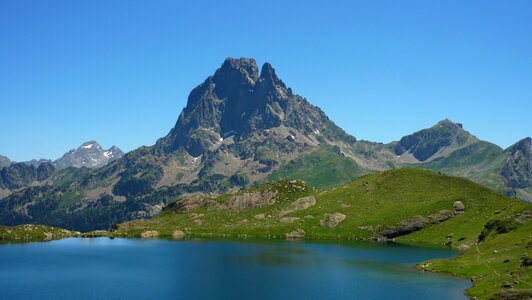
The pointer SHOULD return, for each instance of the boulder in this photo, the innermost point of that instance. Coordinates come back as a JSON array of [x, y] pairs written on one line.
[[331, 220], [260, 216], [150, 234], [296, 234], [288, 219], [299, 204], [458, 207], [178, 234]]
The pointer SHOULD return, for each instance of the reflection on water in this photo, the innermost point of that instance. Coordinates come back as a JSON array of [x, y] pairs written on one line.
[[147, 269]]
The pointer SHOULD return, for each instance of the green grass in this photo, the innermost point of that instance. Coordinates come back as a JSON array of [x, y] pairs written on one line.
[[323, 168], [372, 204], [33, 233]]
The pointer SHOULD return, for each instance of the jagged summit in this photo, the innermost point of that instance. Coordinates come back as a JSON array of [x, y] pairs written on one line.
[[89, 154], [239, 101]]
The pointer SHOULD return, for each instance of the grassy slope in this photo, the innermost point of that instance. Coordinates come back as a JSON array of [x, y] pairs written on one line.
[[371, 204], [33, 233], [323, 168], [480, 162]]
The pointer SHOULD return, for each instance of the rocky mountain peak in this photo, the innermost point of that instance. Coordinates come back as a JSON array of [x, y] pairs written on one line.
[[427, 143], [90, 154], [235, 70], [237, 101]]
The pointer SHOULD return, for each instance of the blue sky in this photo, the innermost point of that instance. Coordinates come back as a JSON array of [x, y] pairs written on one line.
[[119, 72]]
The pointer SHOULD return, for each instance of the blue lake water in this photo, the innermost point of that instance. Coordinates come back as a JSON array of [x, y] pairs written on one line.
[[103, 268]]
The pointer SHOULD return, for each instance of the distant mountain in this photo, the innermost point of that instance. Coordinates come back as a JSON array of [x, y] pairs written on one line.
[[4, 161], [432, 143], [241, 127], [20, 175], [37, 162], [89, 154]]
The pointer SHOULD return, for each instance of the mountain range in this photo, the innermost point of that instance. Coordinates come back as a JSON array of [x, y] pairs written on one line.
[[15, 176], [241, 127]]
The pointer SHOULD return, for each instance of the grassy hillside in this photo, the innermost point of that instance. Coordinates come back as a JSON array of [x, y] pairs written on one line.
[[323, 168], [415, 206], [33, 233]]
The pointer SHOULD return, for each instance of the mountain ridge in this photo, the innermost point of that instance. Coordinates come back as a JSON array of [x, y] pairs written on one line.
[[239, 128]]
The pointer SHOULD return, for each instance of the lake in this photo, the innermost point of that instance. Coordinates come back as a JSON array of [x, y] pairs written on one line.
[[103, 268]]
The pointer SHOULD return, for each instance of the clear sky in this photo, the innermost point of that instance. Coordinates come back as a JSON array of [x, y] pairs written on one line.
[[119, 72]]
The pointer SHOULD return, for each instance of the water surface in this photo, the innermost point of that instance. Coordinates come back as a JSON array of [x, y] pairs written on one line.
[[102, 268]]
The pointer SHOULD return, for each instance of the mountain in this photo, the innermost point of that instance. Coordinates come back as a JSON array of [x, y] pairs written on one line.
[[435, 142], [4, 161], [241, 127], [89, 154], [20, 175], [37, 162]]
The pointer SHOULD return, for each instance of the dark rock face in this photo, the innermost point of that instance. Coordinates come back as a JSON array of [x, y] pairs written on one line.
[[20, 175], [4, 161], [237, 101], [416, 223], [425, 143], [89, 154], [517, 171]]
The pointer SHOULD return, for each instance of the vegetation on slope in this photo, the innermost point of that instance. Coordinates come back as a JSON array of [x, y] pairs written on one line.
[[323, 168], [415, 205], [33, 233]]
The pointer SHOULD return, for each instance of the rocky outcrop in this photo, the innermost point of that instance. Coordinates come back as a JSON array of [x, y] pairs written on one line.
[[178, 234], [517, 171], [416, 223], [296, 234], [4, 161], [458, 207], [289, 220], [299, 204], [249, 200], [332, 220], [150, 234]]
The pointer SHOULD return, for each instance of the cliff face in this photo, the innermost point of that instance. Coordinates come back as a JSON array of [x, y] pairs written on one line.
[[238, 101], [517, 171]]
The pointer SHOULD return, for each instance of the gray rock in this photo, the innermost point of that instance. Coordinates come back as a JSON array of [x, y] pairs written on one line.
[[332, 220], [458, 207], [299, 204], [178, 234], [289, 219], [296, 234]]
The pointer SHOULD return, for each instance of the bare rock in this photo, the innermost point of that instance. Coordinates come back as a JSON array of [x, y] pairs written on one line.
[[250, 200], [458, 207], [296, 234], [150, 234], [299, 204], [331, 220], [178, 234], [288, 219]]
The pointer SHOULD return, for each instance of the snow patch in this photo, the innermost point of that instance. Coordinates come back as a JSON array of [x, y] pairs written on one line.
[[87, 146], [316, 131], [108, 154]]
